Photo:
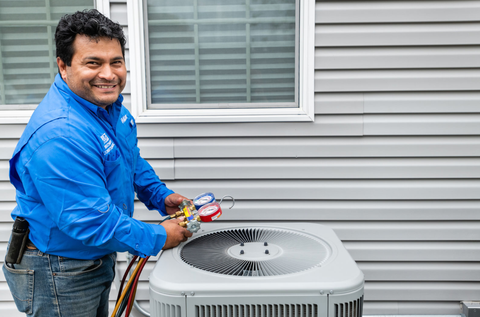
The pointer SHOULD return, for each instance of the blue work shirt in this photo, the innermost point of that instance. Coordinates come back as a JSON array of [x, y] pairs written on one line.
[[76, 169]]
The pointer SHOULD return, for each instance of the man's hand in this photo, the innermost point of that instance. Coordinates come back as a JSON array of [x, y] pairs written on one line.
[[175, 233], [172, 201]]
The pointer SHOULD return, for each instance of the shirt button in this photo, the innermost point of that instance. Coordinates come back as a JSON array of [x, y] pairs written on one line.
[[124, 206], [136, 246]]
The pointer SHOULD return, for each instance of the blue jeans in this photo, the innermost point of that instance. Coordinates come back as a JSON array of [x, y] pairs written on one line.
[[46, 285]]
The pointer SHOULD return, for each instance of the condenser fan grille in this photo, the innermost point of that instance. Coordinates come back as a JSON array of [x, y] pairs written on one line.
[[255, 252]]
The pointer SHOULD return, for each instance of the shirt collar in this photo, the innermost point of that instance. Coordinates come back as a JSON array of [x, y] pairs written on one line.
[[62, 85]]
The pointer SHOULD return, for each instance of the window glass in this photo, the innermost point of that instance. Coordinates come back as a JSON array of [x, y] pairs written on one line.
[[27, 48], [222, 54]]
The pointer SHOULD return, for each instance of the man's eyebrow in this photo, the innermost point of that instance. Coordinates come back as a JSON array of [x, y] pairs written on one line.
[[94, 58]]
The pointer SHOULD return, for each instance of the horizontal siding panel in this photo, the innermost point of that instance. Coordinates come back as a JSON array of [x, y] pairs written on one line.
[[397, 102], [165, 169], [422, 102], [323, 125], [417, 307], [334, 189], [281, 147], [422, 124], [7, 191], [415, 34], [6, 208], [7, 146], [323, 168], [323, 211], [420, 271], [11, 131], [409, 251], [395, 11], [397, 57], [4, 171], [438, 291], [143, 214], [342, 103], [5, 231], [3, 252], [397, 80], [156, 148], [8, 308], [407, 230]]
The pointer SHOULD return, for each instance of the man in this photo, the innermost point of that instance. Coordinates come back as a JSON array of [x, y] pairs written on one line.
[[76, 169]]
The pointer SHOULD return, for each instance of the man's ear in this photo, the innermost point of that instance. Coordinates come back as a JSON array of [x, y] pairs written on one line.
[[62, 68]]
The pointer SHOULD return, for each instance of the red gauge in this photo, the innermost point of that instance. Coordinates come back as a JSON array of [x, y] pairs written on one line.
[[210, 212]]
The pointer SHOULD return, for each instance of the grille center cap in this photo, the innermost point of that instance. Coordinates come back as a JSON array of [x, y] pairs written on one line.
[[255, 251]]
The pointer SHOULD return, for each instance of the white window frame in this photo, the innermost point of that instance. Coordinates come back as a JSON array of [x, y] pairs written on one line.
[[138, 79], [22, 116]]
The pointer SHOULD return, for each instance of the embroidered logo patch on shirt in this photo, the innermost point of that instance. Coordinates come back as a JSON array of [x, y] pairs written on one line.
[[107, 143], [124, 118], [104, 138]]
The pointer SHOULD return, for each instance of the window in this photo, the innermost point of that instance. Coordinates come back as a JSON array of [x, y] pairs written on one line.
[[27, 50], [216, 60]]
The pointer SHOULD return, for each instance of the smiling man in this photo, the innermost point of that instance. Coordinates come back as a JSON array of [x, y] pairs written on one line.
[[97, 71], [76, 170]]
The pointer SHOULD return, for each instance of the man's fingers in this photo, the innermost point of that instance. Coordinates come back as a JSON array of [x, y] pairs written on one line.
[[175, 233]]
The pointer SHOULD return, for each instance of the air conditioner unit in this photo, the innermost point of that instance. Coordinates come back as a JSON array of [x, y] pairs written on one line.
[[253, 270]]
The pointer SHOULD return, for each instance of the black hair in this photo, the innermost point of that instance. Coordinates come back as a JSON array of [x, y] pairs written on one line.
[[88, 22]]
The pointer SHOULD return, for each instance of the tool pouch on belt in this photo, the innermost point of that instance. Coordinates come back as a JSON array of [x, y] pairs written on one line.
[[18, 241]]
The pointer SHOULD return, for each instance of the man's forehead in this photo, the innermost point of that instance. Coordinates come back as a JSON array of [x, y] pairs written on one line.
[[85, 39], [85, 45]]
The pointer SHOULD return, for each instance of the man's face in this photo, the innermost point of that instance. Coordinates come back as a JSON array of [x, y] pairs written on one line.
[[97, 72]]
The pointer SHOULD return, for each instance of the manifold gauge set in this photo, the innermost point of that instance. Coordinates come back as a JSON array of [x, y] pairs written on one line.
[[204, 208]]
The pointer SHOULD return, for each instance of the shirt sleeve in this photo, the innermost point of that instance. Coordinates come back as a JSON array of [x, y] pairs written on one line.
[[71, 182], [149, 188]]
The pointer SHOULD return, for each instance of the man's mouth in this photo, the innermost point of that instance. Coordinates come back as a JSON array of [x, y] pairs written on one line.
[[105, 86]]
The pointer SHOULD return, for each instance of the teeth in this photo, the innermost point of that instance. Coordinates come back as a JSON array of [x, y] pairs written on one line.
[[104, 86]]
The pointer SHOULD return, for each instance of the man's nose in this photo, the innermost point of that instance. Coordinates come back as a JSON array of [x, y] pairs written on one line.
[[107, 73]]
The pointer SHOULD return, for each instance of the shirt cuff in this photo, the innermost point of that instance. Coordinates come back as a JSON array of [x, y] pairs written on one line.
[[160, 238]]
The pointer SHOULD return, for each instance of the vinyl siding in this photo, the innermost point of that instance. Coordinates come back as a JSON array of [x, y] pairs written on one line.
[[391, 162]]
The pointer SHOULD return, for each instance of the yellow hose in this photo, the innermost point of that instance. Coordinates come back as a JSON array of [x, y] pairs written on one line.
[[130, 281]]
